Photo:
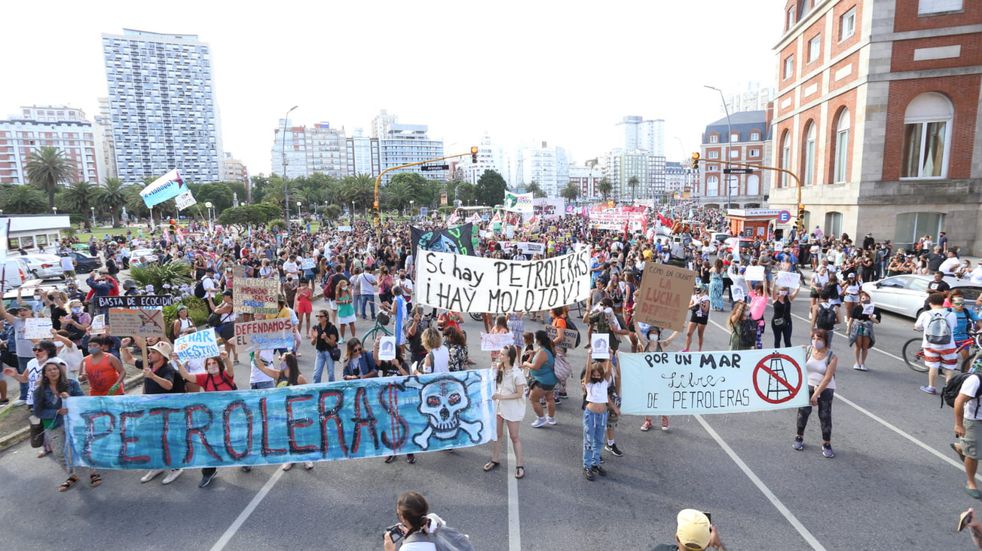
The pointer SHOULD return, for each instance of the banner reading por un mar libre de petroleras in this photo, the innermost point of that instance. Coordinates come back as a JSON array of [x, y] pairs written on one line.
[[322, 422]]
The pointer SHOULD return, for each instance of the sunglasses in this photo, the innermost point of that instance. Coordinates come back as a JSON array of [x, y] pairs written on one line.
[[36, 349], [321, 316], [359, 349]]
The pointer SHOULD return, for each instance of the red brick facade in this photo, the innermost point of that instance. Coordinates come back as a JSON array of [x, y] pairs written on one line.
[[907, 19], [970, 54]]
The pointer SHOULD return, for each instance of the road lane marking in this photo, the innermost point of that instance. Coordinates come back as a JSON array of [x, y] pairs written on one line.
[[514, 526], [843, 335], [777, 503], [244, 515]]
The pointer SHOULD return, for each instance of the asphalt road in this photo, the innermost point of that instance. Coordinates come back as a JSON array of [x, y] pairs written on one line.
[[893, 485]]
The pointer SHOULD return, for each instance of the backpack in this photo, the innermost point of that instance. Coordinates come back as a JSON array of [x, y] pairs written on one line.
[[954, 386], [444, 538], [748, 332], [826, 318], [199, 289], [937, 330]]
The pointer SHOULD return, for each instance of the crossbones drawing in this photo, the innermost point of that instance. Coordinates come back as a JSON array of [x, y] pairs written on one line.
[[442, 400]]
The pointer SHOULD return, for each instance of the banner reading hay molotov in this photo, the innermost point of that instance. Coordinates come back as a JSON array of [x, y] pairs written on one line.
[[477, 285], [677, 383], [323, 422]]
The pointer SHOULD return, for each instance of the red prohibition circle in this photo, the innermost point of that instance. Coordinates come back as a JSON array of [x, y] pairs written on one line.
[[762, 365]]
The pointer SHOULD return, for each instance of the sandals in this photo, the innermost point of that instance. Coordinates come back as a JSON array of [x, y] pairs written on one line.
[[43, 453], [520, 472], [490, 466], [95, 479], [411, 459], [391, 459], [67, 484]]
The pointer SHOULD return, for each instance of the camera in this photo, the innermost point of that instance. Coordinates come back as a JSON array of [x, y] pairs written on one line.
[[395, 532]]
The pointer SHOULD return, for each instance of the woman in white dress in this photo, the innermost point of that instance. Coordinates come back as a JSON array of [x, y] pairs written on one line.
[[509, 401]]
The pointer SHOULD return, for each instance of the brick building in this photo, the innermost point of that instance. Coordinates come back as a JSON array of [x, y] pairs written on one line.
[[750, 143], [877, 113]]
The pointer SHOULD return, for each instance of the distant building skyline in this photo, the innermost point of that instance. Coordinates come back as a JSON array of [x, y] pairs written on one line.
[[64, 128]]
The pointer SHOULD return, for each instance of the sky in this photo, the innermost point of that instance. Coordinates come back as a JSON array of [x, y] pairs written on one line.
[[524, 72]]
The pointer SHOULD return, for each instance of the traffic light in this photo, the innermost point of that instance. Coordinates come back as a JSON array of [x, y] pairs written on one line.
[[695, 161], [173, 225], [801, 218], [474, 154]]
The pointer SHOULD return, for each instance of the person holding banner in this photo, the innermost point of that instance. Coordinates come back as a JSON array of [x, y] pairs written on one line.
[[49, 406], [509, 403], [820, 363], [437, 359], [226, 330], [699, 306], [218, 377], [359, 364], [542, 369], [781, 322]]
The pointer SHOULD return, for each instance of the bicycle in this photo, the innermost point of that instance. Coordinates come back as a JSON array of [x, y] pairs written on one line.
[[914, 355], [381, 326]]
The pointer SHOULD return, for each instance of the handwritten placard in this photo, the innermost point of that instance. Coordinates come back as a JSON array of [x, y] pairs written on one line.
[[600, 346], [37, 328], [664, 295], [264, 334], [571, 337], [197, 345], [791, 280], [255, 295], [493, 342], [754, 273], [136, 322], [98, 326]]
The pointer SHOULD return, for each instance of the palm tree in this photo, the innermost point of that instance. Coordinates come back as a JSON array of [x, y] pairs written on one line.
[[535, 190], [112, 196], [632, 183], [79, 197], [605, 187], [23, 200], [47, 168], [570, 192]]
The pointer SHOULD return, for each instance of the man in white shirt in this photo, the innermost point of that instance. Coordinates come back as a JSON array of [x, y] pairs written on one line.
[[950, 264], [967, 421], [937, 354], [258, 379], [209, 285], [68, 265], [290, 267]]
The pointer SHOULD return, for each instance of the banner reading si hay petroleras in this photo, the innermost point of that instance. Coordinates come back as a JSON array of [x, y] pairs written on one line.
[[676, 383], [325, 422], [476, 285]]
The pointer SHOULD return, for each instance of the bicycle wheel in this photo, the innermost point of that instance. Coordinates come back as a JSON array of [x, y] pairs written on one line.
[[913, 357], [378, 330], [477, 317]]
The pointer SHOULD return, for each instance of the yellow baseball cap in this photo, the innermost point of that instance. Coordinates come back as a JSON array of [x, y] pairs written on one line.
[[694, 529]]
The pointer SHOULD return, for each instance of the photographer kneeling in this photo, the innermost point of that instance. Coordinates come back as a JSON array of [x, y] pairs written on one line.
[[421, 530], [695, 532]]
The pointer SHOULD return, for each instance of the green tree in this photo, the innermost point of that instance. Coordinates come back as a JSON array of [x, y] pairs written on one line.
[[332, 212], [273, 192], [47, 168], [358, 189], [424, 192], [605, 187], [259, 185], [397, 195], [466, 193], [249, 215], [632, 183], [114, 194], [491, 188], [218, 193], [23, 200], [78, 197], [570, 192], [535, 189]]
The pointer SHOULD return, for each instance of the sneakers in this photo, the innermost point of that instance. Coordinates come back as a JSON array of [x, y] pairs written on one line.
[[550, 420], [308, 465], [246, 469], [799, 443], [612, 448], [929, 389], [859, 367], [206, 479], [588, 474], [150, 476], [599, 470], [664, 424], [4, 402], [172, 476], [539, 422], [827, 451], [287, 466], [646, 426], [556, 399]]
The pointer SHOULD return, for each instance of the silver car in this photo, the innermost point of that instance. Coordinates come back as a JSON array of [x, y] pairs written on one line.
[[42, 266], [906, 294]]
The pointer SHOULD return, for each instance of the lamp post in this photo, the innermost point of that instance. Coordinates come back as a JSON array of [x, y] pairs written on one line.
[[93, 215], [412, 208], [208, 206], [352, 221], [286, 188], [299, 214], [54, 210], [729, 138]]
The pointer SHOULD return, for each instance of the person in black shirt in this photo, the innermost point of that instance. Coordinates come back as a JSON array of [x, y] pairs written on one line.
[[938, 284], [324, 337], [781, 322]]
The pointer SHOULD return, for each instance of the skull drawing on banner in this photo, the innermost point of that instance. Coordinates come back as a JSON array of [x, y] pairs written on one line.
[[442, 401]]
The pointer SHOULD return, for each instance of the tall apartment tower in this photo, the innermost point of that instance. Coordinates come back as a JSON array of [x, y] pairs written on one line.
[[162, 106]]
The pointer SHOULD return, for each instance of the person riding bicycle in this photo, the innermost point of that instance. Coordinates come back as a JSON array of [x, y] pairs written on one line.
[[967, 324]]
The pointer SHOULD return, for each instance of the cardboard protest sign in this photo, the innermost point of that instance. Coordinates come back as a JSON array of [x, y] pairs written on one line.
[[519, 202], [197, 345], [600, 346], [664, 296], [37, 328], [676, 383], [136, 322], [387, 348], [754, 273], [98, 326], [136, 301], [185, 200], [254, 295], [791, 280], [477, 285], [492, 342], [570, 336], [343, 420], [738, 293], [264, 334]]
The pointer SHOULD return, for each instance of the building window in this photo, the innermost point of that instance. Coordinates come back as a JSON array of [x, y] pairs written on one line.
[[753, 184], [712, 186], [841, 148], [814, 48], [755, 136], [927, 128], [734, 153], [833, 223], [911, 226], [713, 154], [847, 24], [753, 153], [734, 137], [714, 138], [790, 18], [788, 67], [931, 7], [808, 157]]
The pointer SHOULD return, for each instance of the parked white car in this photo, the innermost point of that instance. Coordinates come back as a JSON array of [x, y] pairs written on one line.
[[906, 294], [42, 266], [142, 257]]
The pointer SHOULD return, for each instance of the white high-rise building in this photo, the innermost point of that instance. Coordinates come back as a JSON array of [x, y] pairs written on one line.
[[382, 122], [61, 127], [486, 160], [546, 166], [104, 128], [309, 150], [162, 104], [409, 143], [364, 156], [647, 135], [754, 98]]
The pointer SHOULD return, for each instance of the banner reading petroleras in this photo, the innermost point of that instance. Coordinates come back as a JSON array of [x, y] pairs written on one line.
[[476, 285]]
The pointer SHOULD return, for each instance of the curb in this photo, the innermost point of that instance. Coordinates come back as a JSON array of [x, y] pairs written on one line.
[[19, 435]]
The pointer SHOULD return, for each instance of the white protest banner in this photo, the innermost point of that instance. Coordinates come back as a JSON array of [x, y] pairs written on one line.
[[264, 334], [791, 280], [37, 328], [387, 348], [615, 218], [197, 345], [308, 264], [185, 200], [524, 247], [676, 383], [344, 229], [166, 187], [519, 202], [471, 284], [600, 346], [98, 326], [493, 342], [754, 273]]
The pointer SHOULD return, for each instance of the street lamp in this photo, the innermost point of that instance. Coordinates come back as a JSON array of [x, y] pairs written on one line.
[[729, 138], [93, 215], [54, 210], [352, 213], [286, 188], [412, 208], [298, 209], [208, 206]]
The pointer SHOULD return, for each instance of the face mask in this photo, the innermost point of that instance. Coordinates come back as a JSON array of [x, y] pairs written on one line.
[[818, 344], [865, 301], [213, 369], [784, 293], [76, 310], [95, 349], [595, 379]]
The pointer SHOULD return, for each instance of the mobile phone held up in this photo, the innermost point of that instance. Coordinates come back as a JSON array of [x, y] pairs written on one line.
[[395, 532]]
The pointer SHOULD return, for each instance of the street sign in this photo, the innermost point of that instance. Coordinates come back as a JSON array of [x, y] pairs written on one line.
[[784, 217], [738, 171], [426, 168]]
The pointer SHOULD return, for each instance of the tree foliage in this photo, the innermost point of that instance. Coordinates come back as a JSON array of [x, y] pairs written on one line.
[[22, 200], [535, 189], [113, 194], [605, 187], [249, 215], [490, 188], [47, 168], [570, 192]]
